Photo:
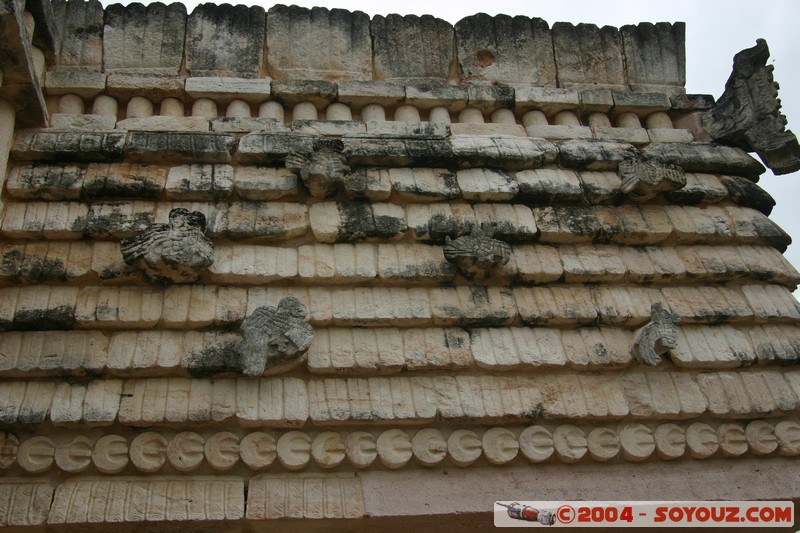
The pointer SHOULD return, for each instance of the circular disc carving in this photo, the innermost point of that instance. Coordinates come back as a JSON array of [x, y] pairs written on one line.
[[670, 441], [294, 450], [258, 450], [222, 450], [500, 445], [702, 440], [732, 440], [328, 449], [637, 442], [360, 448], [76, 456], [429, 447], [186, 451], [603, 444], [110, 454], [788, 434], [394, 448], [464, 447], [761, 437], [148, 451], [9, 445], [570, 443], [35, 455], [536, 443]]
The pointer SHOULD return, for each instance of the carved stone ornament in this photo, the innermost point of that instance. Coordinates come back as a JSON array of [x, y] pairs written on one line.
[[323, 170], [176, 252], [275, 339], [748, 115], [643, 180], [657, 337], [477, 253]]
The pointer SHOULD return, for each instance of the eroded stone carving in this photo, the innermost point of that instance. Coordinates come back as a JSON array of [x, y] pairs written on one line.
[[74, 456], [110, 454], [9, 444], [761, 437], [702, 440], [603, 444], [500, 445], [644, 179], [748, 115], [294, 450], [536, 443], [275, 339], [328, 449], [788, 434], [657, 337], [258, 450], [670, 441], [361, 448], [185, 451], [222, 450], [464, 447], [477, 253], [732, 439], [637, 442], [429, 446], [394, 448], [323, 170], [148, 451], [570, 443], [176, 252]]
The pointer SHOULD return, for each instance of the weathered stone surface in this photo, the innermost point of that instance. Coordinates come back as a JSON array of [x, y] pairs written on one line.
[[588, 57], [118, 219], [432, 150], [748, 112], [640, 103], [320, 93], [709, 158], [39, 262], [162, 123], [353, 221], [418, 184], [322, 171], [275, 339], [199, 182], [746, 193], [265, 221], [294, 44], [83, 83], [476, 254], [81, 32], [504, 152], [311, 497], [546, 186], [435, 222], [657, 337], [249, 90], [26, 502], [593, 154], [180, 147], [260, 183], [262, 148], [225, 41], [506, 50], [484, 185], [700, 189], [53, 220], [176, 252], [141, 39], [716, 347], [83, 122], [411, 48], [655, 59], [45, 182], [126, 86], [644, 180], [64, 146], [549, 100]]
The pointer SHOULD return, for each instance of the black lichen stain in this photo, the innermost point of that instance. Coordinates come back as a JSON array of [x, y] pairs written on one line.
[[58, 318], [215, 360]]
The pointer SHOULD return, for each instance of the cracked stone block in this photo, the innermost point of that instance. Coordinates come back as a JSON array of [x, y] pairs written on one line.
[[66, 146], [421, 184], [226, 41], [263, 183], [266, 221], [353, 221], [145, 40], [387, 150], [411, 47], [262, 148], [124, 180], [180, 147], [588, 57], [506, 50], [81, 32], [50, 220], [294, 37], [707, 158], [199, 182], [503, 152], [594, 154], [45, 182], [547, 186], [655, 58]]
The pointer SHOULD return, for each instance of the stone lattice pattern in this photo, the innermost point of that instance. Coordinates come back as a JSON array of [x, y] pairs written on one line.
[[431, 254]]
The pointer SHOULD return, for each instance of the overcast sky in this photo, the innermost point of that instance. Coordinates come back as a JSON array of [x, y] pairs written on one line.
[[715, 31]]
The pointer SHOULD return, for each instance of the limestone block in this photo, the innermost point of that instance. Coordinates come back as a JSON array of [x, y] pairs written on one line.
[[717, 347], [405, 128], [375, 399], [266, 221], [357, 350], [154, 501], [651, 264], [39, 308], [670, 441], [431, 95], [699, 225], [27, 403], [746, 193], [253, 91], [468, 305], [29, 353], [80, 27], [222, 41], [294, 35], [83, 122], [411, 48], [144, 39], [420, 184], [537, 263], [394, 448], [635, 136], [555, 306], [247, 125], [199, 182], [775, 343], [27, 502], [36, 455], [506, 50], [600, 187], [294, 450], [83, 83], [641, 103], [517, 348], [154, 88], [484, 185], [559, 132], [654, 56], [491, 98], [331, 496], [787, 433], [118, 307], [576, 224], [596, 101], [45, 182], [593, 154], [623, 305], [502, 151], [591, 263], [162, 123], [370, 184], [709, 158], [588, 57], [750, 226], [597, 348], [67, 146], [119, 219], [464, 447], [637, 441], [546, 186], [655, 395], [360, 93], [549, 100], [708, 304], [500, 445], [180, 147], [374, 149], [771, 303], [576, 396], [94, 405], [412, 263], [124, 180], [328, 128], [253, 264], [603, 444], [429, 447], [663, 135], [262, 183], [699, 189], [268, 147], [353, 221]]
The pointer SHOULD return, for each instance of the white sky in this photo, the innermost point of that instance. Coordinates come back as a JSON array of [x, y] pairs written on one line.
[[715, 31]]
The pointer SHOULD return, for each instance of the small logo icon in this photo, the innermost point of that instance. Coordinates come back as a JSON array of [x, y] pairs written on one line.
[[525, 512]]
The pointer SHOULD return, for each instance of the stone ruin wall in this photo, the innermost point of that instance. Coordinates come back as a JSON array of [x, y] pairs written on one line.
[[635, 321]]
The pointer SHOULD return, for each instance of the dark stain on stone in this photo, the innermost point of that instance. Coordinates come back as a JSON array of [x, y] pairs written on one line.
[[215, 360], [58, 318]]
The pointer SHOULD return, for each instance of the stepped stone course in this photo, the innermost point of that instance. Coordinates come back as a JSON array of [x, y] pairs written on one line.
[[391, 265]]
